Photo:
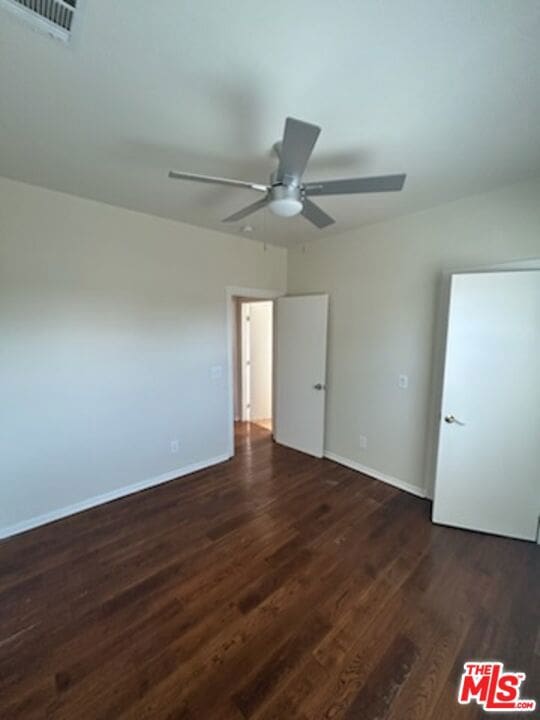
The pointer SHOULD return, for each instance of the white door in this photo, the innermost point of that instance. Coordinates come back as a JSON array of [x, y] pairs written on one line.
[[300, 375], [488, 470]]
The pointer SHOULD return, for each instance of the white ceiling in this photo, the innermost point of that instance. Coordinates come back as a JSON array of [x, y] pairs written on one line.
[[445, 90]]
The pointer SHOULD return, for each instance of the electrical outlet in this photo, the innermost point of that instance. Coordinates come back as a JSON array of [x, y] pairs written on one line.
[[175, 445], [362, 440], [403, 381]]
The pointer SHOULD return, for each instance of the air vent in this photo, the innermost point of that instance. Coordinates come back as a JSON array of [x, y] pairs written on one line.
[[54, 17]]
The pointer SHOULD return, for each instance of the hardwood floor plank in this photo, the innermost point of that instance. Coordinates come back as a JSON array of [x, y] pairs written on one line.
[[377, 695], [282, 662]]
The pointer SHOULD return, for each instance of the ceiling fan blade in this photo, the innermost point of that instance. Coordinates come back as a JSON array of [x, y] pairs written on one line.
[[383, 183], [246, 211], [216, 180], [299, 139], [316, 215]]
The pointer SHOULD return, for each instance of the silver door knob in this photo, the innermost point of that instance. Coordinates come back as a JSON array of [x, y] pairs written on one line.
[[319, 386], [452, 419]]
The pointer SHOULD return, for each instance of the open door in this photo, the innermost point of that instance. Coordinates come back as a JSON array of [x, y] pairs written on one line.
[[300, 372], [488, 470]]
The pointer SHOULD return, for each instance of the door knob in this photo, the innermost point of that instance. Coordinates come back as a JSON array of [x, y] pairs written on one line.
[[452, 419], [319, 386]]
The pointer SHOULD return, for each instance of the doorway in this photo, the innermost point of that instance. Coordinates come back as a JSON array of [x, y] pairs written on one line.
[[277, 366], [254, 361]]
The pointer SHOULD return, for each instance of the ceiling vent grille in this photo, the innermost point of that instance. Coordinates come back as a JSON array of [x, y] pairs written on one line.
[[54, 17]]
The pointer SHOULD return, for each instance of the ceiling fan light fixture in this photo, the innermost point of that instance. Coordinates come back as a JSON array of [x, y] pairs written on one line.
[[285, 200], [286, 207]]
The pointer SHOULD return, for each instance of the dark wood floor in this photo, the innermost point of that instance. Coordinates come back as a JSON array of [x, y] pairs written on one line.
[[272, 586]]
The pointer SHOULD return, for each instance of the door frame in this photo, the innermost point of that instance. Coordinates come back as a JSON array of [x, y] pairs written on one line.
[[232, 292]]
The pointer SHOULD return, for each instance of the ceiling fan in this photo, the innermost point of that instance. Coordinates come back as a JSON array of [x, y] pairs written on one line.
[[286, 195]]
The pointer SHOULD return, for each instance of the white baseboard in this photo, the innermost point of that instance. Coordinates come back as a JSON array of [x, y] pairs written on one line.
[[401, 484], [53, 515]]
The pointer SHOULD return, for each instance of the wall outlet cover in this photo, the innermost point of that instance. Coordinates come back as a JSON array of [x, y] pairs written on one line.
[[216, 371]]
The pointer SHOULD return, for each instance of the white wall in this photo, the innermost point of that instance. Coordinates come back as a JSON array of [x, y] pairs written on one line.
[[110, 323], [386, 284]]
